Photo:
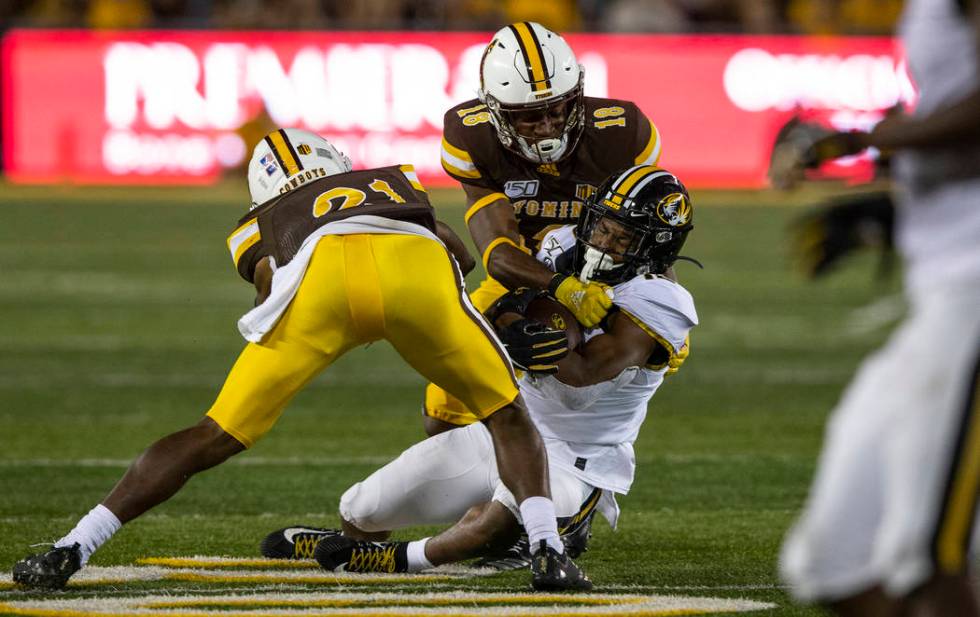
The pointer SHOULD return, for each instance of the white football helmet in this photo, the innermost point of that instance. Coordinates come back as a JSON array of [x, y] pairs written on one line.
[[288, 158], [529, 71]]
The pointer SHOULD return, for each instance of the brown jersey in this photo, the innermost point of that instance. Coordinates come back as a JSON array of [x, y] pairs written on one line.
[[280, 226], [616, 136]]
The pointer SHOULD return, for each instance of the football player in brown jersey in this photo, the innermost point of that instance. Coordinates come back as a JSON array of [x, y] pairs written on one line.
[[343, 259], [528, 153]]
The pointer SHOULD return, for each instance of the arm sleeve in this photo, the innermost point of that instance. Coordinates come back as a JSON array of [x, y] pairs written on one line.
[[664, 310], [245, 245], [409, 172], [457, 154], [648, 144]]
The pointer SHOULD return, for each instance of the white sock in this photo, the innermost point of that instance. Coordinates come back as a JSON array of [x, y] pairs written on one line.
[[540, 523], [416, 558], [92, 531]]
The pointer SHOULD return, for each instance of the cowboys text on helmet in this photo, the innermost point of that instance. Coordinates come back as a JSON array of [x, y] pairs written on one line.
[[288, 158]]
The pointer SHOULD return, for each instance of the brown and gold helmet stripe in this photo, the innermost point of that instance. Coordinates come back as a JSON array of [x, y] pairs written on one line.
[[537, 70], [284, 152]]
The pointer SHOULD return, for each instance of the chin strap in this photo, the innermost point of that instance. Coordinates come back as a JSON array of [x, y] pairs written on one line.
[[690, 259], [556, 149], [595, 261]]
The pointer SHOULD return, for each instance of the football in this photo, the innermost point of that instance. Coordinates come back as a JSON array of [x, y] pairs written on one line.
[[554, 314]]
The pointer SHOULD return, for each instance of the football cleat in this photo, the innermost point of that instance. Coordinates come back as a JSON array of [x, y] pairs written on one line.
[[576, 539], [50, 569], [516, 557], [554, 571], [296, 542], [343, 554]]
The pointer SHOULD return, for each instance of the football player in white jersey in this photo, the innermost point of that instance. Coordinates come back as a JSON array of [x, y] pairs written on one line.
[[588, 407], [890, 524]]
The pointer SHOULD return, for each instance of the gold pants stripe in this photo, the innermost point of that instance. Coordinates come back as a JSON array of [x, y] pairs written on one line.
[[357, 289]]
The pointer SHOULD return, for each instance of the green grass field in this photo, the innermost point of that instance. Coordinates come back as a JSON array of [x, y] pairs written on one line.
[[117, 326]]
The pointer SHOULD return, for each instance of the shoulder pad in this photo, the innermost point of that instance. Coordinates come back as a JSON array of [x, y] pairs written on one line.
[[660, 305], [466, 135]]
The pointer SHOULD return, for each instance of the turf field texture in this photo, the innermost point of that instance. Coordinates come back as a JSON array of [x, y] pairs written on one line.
[[117, 326]]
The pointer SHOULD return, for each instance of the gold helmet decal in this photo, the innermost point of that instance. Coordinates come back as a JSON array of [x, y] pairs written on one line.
[[557, 321], [675, 210]]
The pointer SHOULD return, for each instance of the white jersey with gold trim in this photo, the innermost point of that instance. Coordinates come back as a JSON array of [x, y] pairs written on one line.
[[938, 218], [590, 431]]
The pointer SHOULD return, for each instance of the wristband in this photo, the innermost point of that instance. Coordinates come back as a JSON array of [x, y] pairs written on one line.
[[555, 283]]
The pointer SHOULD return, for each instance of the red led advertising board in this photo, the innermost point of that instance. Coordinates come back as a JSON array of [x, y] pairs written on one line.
[[168, 107]]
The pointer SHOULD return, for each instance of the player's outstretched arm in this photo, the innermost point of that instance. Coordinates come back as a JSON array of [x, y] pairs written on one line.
[[623, 345], [955, 124], [492, 224]]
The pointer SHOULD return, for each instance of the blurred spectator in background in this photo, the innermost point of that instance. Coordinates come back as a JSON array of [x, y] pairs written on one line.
[[753, 16], [118, 14], [559, 15], [270, 14], [843, 16], [52, 13], [748, 16]]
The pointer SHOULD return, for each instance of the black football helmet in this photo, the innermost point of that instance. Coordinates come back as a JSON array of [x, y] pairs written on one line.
[[635, 223]]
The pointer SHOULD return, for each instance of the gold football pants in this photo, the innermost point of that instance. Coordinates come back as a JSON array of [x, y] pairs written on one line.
[[439, 403], [362, 288]]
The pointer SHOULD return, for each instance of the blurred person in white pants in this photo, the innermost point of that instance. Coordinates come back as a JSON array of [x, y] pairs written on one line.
[[891, 518]]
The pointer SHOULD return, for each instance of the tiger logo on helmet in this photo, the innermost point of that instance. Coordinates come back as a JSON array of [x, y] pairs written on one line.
[[674, 209]]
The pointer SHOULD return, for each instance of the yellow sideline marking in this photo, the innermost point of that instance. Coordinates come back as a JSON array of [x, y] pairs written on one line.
[[405, 601], [383, 579], [229, 562], [378, 603]]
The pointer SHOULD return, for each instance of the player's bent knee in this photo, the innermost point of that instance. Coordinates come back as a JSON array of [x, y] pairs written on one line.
[[212, 445], [359, 506], [810, 564], [434, 426], [513, 415]]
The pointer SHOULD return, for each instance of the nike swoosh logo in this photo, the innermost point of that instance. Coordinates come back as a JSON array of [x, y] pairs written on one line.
[[292, 532]]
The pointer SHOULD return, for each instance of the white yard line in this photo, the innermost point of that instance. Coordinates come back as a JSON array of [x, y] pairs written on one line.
[[246, 461], [347, 603], [341, 461]]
